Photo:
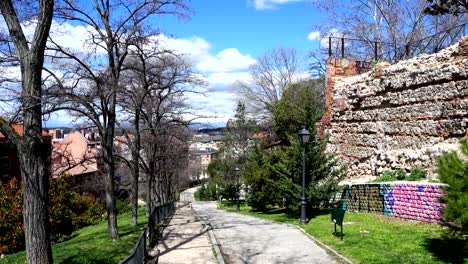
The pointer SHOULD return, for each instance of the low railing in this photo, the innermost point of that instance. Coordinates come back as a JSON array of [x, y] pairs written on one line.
[[139, 251], [158, 216], [367, 50]]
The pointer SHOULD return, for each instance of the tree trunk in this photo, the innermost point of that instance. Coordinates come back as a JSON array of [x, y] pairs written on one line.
[[149, 188], [33, 151], [136, 169], [33, 155], [107, 143]]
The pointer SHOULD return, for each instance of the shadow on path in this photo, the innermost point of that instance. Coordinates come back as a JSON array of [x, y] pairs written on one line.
[[169, 249]]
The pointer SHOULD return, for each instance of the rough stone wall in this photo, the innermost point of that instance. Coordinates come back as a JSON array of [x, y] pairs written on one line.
[[398, 116], [402, 200]]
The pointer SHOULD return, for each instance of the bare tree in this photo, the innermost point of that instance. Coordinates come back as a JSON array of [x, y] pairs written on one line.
[[394, 29], [32, 149], [89, 82], [273, 72], [162, 111], [150, 70], [456, 7]]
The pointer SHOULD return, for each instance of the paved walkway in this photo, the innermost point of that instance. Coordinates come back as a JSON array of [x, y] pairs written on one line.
[[246, 239], [185, 239], [242, 239]]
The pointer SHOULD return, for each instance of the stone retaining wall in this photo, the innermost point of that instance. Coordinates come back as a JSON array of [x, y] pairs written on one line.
[[410, 201], [397, 116]]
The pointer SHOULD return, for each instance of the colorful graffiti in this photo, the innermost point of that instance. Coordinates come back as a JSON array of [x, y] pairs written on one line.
[[403, 200]]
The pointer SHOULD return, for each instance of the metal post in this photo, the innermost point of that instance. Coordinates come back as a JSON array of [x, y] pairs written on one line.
[[303, 200], [375, 51], [237, 189], [329, 47], [342, 48]]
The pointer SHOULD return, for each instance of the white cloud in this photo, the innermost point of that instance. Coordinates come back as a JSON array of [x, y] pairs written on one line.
[[220, 69], [74, 37], [270, 4], [336, 35], [198, 50], [227, 60], [315, 35], [215, 107], [226, 78]]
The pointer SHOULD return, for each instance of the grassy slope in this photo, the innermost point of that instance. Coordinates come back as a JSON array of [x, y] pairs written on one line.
[[371, 238], [92, 245]]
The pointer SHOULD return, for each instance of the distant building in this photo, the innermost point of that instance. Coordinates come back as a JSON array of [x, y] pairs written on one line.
[[205, 141], [9, 162], [75, 155], [199, 161]]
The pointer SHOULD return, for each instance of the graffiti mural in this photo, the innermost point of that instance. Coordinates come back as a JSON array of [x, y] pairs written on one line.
[[403, 200]]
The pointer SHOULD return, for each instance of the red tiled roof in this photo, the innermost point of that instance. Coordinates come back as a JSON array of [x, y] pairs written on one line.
[[19, 128]]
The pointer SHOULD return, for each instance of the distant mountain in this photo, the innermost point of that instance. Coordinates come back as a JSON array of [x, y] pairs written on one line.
[[209, 126]]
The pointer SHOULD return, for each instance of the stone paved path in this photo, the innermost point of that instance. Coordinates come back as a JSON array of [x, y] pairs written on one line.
[[246, 239], [185, 239], [242, 239]]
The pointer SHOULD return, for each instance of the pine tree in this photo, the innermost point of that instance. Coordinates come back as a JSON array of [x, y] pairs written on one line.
[[453, 170]]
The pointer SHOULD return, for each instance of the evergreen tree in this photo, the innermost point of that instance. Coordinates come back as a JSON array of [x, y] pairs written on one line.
[[274, 176], [453, 170]]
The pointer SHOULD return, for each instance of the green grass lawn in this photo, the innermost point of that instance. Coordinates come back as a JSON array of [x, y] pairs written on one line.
[[92, 245], [372, 238]]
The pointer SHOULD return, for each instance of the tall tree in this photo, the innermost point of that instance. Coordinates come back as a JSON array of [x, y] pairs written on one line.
[[398, 29], [273, 72], [273, 175], [150, 71], [31, 148], [239, 134], [114, 26], [456, 7]]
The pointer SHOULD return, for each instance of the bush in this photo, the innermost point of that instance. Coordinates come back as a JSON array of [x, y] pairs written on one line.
[[11, 217], [68, 211], [417, 174], [400, 174], [453, 170], [87, 211], [206, 192], [392, 175], [123, 206]]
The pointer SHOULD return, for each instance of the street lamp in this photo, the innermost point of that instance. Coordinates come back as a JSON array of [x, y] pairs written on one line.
[[237, 188], [304, 136]]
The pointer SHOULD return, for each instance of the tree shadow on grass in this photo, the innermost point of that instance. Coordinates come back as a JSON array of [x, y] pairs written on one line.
[[79, 259], [450, 250], [315, 212]]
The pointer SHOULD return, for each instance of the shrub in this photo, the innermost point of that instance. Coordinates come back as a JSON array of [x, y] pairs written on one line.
[[400, 174], [68, 211], [417, 174], [206, 192], [392, 175], [123, 206], [86, 211], [11, 217], [453, 170]]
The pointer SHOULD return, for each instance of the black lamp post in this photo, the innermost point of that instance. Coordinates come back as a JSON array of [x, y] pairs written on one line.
[[237, 188], [304, 136]]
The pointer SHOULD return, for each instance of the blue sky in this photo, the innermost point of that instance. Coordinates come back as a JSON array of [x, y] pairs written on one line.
[[243, 25], [235, 33], [221, 39]]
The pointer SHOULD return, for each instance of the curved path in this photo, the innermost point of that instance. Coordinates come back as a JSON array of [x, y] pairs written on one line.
[[246, 239]]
